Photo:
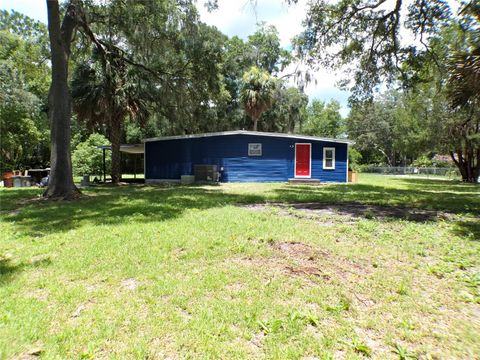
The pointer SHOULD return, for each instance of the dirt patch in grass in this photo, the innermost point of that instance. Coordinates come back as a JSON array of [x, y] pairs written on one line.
[[84, 306], [129, 284], [318, 262], [374, 341], [257, 339], [39, 294], [184, 314], [163, 348], [40, 260], [304, 257], [33, 353], [302, 260], [356, 211], [313, 267], [306, 270], [298, 250]]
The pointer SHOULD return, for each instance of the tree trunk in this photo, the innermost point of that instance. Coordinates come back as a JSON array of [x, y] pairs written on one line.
[[115, 137], [468, 167], [476, 172], [60, 183], [384, 153], [255, 123]]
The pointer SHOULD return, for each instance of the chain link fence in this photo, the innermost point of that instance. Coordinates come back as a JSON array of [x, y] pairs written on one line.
[[448, 172]]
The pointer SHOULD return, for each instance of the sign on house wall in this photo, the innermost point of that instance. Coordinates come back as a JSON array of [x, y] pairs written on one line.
[[254, 149]]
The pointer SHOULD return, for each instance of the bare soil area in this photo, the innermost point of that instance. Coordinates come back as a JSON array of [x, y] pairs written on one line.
[[356, 211]]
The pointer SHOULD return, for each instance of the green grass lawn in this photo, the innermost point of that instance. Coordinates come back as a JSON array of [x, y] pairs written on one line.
[[242, 271]]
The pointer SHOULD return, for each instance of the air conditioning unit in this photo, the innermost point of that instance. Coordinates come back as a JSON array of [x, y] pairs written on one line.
[[206, 173]]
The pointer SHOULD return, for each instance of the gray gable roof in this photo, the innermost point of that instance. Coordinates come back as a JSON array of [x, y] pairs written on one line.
[[253, 133]]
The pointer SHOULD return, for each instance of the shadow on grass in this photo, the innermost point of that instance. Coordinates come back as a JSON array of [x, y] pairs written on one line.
[[9, 197], [8, 270], [421, 197], [468, 229], [143, 204], [441, 185], [104, 206], [369, 211]]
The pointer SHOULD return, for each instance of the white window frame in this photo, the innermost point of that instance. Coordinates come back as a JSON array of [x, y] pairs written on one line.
[[295, 163], [325, 167], [255, 154]]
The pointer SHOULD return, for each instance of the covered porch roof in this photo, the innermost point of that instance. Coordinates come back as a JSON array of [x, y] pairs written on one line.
[[127, 148]]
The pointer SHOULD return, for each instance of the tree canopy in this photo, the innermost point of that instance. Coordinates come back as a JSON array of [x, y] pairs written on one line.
[[24, 78], [427, 52], [372, 41], [324, 119], [141, 69]]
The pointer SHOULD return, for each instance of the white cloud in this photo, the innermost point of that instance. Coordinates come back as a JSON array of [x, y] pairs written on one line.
[[240, 18]]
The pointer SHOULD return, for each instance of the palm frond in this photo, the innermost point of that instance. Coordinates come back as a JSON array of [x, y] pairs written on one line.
[[465, 78], [98, 92]]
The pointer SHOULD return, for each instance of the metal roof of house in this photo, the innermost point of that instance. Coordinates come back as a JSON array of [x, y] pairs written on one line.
[[127, 148], [253, 133]]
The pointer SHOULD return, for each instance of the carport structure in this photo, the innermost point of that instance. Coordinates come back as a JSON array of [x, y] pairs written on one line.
[[134, 149]]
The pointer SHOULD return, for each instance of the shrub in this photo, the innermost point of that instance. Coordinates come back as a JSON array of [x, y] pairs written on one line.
[[354, 158], [87, 159], [423, 161]]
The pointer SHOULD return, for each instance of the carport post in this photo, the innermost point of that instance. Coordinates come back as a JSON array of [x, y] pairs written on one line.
[[104, 167], [135, 166]]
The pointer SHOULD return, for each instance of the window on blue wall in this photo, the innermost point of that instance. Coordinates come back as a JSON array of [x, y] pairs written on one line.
[[329, 158], [254, 149]]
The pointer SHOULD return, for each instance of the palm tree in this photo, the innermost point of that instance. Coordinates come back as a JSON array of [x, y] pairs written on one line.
[[465, 78], [104, 95], [464, 93], [257, 93]]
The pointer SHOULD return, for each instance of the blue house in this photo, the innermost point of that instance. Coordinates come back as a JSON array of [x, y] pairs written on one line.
[[247, 156]]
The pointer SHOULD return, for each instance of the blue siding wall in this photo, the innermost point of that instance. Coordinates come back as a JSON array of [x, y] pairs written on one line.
[[169, 159]]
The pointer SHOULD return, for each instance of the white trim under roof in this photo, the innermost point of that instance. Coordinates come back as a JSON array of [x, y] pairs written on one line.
[[253, 133]]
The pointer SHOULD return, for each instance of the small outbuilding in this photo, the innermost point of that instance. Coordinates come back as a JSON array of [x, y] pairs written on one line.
[[247, 156]]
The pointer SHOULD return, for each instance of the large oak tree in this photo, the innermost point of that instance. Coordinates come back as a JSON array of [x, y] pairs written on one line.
[[61, 184]]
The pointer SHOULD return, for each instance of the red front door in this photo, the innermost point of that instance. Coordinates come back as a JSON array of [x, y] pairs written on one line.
[[302, 160]]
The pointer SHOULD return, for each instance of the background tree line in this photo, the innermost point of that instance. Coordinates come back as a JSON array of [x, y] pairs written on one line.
[[143, 69], [413, 69], [173, 75]]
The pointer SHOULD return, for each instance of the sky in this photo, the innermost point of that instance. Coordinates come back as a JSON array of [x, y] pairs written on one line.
[[238, 17]]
